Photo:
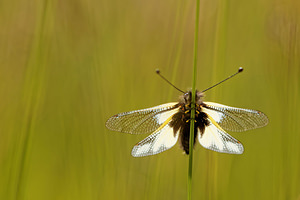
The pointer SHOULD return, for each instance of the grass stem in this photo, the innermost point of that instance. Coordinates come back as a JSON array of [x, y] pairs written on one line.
[[191, 147]]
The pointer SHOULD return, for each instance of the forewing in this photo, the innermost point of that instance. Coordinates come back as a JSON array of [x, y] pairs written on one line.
[[142, 121], [216, 139], [235, 119], [159, 141]]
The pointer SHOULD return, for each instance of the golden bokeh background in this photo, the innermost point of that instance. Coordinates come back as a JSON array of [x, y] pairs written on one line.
[[67, 66]]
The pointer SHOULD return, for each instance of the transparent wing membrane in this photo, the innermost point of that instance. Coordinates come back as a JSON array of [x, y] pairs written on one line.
[[142, 121], [235, 119]]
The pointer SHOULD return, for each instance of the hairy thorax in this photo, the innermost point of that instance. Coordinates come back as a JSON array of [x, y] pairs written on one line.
[[181, 120]]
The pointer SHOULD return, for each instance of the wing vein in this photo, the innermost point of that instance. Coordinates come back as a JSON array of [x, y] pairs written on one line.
[[151, 116], [235, 119]]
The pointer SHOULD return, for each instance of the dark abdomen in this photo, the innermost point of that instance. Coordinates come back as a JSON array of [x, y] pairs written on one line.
[[185, 137]]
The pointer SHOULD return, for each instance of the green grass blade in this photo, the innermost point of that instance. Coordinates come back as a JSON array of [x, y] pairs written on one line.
[[190, 172]]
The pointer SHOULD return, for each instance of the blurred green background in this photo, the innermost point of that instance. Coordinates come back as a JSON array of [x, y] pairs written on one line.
[[67, 66]]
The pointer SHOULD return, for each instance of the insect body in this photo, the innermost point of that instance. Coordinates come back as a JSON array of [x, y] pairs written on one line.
[[170, 122]]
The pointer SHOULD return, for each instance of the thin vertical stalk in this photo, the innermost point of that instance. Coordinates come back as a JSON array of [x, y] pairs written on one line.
[[191, 147]]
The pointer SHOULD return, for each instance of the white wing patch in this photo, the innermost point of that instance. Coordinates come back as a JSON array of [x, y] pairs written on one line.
[[162, 117], [217, 116], [157, 142], [216, 139]]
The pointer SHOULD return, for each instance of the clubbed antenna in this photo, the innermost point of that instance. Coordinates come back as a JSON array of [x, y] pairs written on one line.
[[240, 70], [158, 72]]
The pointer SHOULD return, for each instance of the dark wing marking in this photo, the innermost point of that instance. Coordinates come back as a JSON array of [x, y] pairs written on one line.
[[142, 121], [162, 139], [235, 119], [216, 139]]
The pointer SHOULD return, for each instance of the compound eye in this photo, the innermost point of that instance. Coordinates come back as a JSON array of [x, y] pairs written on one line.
[[186, 97]]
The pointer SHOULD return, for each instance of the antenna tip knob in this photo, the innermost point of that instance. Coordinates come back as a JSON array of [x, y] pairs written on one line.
[[240, 69], [157, 71]]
